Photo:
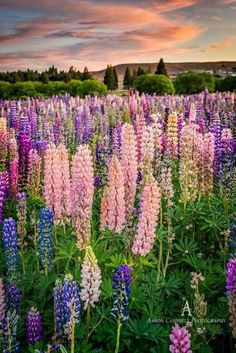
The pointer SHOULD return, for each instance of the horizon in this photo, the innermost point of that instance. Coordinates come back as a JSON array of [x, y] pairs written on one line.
[[96, 33]]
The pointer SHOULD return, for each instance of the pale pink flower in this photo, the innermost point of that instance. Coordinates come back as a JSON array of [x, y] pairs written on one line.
[[147, 151], [150, 206], [34, 171], [115, 197], [82, 187], [65, 178], [129, 164], [90, 279]]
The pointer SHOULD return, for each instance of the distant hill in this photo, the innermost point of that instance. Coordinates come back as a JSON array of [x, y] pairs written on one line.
[[172, 68]]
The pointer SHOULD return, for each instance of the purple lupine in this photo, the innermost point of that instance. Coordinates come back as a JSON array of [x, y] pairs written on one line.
[[46, 246], [33, 326], [9, 238], [180, 340], [122, 289], [232, 235], [3, 190], [13, 297], [2, 303], [231, 277]]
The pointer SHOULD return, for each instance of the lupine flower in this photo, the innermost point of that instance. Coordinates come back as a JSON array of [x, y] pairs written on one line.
[[129, 164], [232, 235], [53, 181], [150, 205], [2, 303], [166, 184], [9, 238], [34, 170], [139, 129], [21, 217], [13, 297], [114, 198], [3, 141], [227, 161], [82, 194], [14, 176], [3, 190], [65, 178], [66, 293], [231, 293], [45, 230], [13, 148], [158, 146], [147, 159], [172, 134], [180, 340], [9, 333], [33, 326], [122, 289], [90, 279]]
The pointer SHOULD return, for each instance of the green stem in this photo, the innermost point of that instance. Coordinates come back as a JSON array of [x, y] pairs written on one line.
[[118, 336], [87, 323], [166, 262], [72, 344], [159, 262]]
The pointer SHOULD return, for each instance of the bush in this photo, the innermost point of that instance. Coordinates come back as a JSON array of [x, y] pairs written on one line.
[[93, 88], [225, 84], [151, 83], [74, 87], [4, 89], [193, 82]]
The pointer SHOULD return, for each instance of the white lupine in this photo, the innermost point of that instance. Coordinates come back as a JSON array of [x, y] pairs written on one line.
[[90, 279]]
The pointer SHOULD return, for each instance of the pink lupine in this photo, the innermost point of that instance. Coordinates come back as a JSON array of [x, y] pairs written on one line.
[[65, 177], [147, 151], [150, 206], [34, 171], [13, 148], [139, 125], [14, 176], [82, 187], [3, 140], [129, 164], [104, 210], [2, 301], [180, 340], [90, 279], [115, 196]]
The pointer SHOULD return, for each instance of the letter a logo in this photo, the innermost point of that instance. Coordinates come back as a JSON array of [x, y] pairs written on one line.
[[186, 308]]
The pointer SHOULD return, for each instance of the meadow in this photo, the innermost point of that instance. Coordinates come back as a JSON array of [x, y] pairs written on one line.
[[118, 224]]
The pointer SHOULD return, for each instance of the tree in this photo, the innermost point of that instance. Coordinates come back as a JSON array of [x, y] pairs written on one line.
[[193, 82], [109, 79], [44, 77], [140, 71], [74, 87], [86, 75], [151, 83], [92, 88], [161, 68], [134, 75], [116, 80], [127, 82]]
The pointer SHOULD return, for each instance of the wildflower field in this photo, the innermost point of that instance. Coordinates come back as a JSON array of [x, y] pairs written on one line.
[[118, 224]]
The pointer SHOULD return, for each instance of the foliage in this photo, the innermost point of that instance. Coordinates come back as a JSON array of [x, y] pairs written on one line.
[[193, 82], [151, 83], [161, 68]]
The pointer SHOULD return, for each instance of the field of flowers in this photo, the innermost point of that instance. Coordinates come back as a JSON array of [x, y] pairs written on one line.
[[118, 224]]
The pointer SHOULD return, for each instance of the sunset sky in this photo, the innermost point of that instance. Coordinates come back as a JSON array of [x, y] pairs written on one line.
[[37, 34]]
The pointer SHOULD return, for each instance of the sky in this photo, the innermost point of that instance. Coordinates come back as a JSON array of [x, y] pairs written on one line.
[[39, 33]]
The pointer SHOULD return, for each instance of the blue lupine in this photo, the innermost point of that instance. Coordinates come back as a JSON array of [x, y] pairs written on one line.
[[9, 238], [9, 333], [64, 294], [122, 289], [46, 248]]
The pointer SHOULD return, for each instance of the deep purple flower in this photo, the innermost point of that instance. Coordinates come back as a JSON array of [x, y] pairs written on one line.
[[33, 326], [13, 297], [231, 276], [122, 289]]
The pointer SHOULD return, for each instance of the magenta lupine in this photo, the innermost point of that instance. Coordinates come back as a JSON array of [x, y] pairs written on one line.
[[34, 171], [115, 197], [3, 191], [90, 279], [82, 187], [2, 302], [129, 164], [150, 206], [180, 340]]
